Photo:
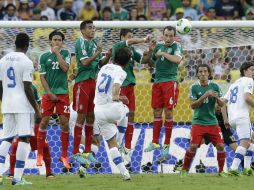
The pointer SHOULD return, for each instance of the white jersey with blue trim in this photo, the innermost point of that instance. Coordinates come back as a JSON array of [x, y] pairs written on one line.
[[109, 74], [15, 68]]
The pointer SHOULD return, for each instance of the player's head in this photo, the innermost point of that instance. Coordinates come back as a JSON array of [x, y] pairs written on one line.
[[203, 72], [126, 34], [22, 41], [122, 56], [56, 38], [169, 33], [247, 70], [87, 28]]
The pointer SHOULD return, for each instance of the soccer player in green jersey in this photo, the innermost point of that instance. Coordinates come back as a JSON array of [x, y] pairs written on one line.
[[127, 88], [53, 68], [89, 59], [166, 55], [203, 96]]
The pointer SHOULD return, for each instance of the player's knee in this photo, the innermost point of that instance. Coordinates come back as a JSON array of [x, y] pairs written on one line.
[[220, 147], [158, 112], [131, 116], [44, 122], [168, 113], [193, 148], [81, 118], [90, 119]]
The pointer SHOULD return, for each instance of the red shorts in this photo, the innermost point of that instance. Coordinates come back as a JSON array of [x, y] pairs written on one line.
[[165, 94], [213, 132], [128, 91], [83, 96], [62, 106], [33, 139]]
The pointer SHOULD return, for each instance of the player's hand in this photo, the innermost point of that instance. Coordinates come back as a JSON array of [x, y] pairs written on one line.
[[55, 49], [37, 117], [116, 98], [211, 93], [124, 99], [159, 53], [227, 125], [148, 38], [109, 53], [99, 47], [53, 97], [152, 45]]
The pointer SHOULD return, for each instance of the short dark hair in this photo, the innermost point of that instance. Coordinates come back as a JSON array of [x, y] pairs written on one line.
[[10, 5], [124, 32], [56, 33], [22, 40], [204, 65], [107, 9], [244, 67], [122, 56], [170, 28], [84, 23]]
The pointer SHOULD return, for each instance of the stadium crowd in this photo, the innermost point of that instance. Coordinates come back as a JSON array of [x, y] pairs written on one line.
[[126, 9]]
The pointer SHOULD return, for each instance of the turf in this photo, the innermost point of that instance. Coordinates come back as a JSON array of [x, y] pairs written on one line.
[[138, 182]]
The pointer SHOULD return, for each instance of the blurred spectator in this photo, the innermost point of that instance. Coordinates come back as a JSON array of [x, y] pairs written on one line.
[[141, 17], [119, 13], [101, 4], [44, 18], [1, 10], [55, 4], [141, 7], [79, 4], [14, 2], [246, 4], [66, 12], [36, 14], [221, 69], [33, 3], [249, 14], [88, 12], [46, 11], [178, 14], [189, 11], [24, 11], [205, 5], [107, 14], [227, 9], [173, 5], [10, 14], [211, 14], [157, 9], [133, 14]]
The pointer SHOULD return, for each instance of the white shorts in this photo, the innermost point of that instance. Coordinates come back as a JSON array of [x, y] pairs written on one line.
[[243, 128], [107, 116], [21, 124]]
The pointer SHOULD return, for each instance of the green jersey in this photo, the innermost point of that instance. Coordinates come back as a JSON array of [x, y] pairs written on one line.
[[84, 49], [205, 113], [121, 15], [166, 70], [36, 93], [54, 75], [135, 56]]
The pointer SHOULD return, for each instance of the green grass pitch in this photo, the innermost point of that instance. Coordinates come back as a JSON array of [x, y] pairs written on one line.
[[138, 182]]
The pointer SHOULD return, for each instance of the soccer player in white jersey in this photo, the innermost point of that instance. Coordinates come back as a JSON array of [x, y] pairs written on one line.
[[109, 108], [19, 106], [239, 98]]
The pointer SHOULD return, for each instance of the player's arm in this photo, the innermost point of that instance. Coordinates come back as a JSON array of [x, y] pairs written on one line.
[[118, 81], [195, 103], [106, 58], [175, 58], [248, 90], [88, 60], [225, 116], [45, 86], [220, 102], [62, 63], [248, 98], [147, 54], [133, 41]]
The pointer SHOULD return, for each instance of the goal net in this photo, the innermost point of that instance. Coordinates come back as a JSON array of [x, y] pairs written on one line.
[[222, 45]]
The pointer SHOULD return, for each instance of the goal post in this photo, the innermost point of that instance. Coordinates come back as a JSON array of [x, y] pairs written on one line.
[[224, 45]]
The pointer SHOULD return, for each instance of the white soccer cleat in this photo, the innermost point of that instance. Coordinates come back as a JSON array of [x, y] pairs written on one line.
[[126, 176]]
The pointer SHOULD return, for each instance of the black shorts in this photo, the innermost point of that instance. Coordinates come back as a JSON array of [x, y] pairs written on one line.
[[226, 133]]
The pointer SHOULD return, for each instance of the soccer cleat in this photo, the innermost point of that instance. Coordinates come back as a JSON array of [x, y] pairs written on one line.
[[178, 166], [82, 172], [126, 176], [164, 151], [89, 156], [39, 160], [151, 147], [247, 172], [126, 153], [79, 158], [21, 182], [50, 176], [183, 173], [9, 177], [223, 174], [1, 181], [65, 162], [234, 173]]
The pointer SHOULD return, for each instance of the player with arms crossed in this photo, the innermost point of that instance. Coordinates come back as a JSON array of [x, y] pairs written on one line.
[[109, 107], [203, 96], [167, 56], [53, 67], [127, 89], [89, 58], [18, 105], [239, 98]]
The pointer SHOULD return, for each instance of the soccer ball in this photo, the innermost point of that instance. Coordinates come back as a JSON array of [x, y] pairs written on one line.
[[183, 26]]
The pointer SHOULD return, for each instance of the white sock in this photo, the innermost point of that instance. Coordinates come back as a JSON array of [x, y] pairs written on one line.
[[239, 156], [118, 160], [4, 149], [248, 156], [81, 148], [120, 134], [21, 156], [94, 148]]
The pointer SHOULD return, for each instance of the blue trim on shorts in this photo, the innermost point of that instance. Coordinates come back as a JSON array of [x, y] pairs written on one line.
[[111, 138], [249, 153], [121, 129]]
